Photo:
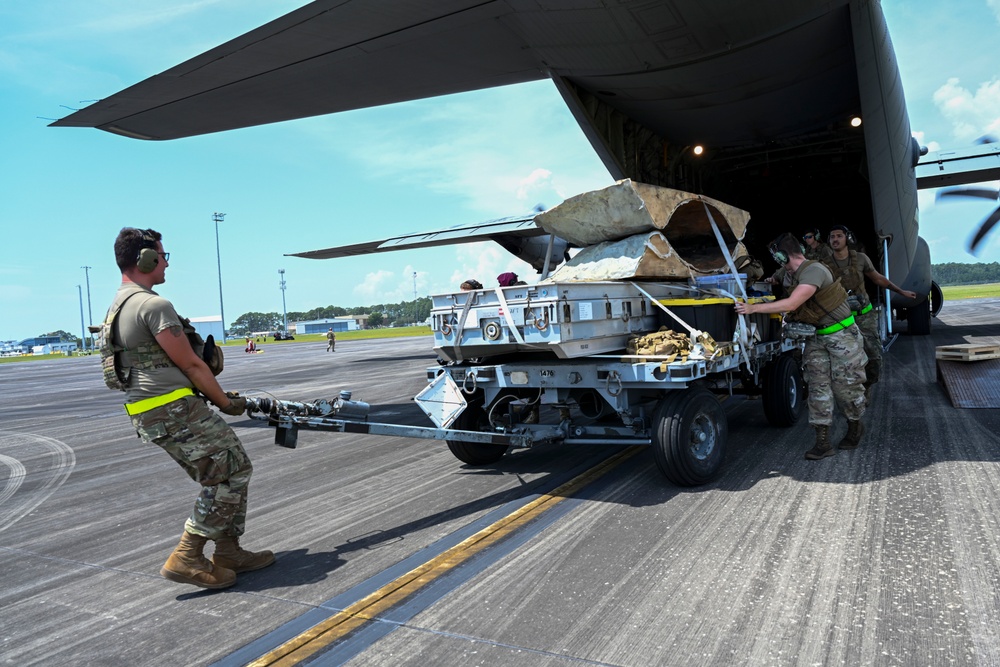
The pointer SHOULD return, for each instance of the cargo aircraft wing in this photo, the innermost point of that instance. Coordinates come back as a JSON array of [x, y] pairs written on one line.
[[793, 111], [519, 235]]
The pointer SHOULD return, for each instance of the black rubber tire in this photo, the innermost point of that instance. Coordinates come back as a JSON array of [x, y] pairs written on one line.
[[690, 430], [782, 393], [918, 319], [473, 418], [937, 299]]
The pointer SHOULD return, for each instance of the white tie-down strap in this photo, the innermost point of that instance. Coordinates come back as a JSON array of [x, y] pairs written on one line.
[[691, 330], [469, 296], [507, 316], [744, 338]]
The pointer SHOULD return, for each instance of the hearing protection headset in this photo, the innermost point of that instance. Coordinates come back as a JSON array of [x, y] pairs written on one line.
[[779, 255], [148, 257], [847, 232]]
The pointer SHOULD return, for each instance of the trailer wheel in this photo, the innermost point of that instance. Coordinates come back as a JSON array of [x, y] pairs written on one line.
[[473, 418], [689, 436], [782, 395]]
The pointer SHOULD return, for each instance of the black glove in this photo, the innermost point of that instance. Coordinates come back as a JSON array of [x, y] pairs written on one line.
[[237, 404]]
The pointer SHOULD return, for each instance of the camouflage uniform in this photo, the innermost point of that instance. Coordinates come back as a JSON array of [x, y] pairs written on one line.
[[821, 252], [852, 276], [192, 434], [205, 446], [833, 363], [834, 366], [868, 324]]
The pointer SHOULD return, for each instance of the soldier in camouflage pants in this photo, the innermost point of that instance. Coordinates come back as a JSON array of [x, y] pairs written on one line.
[[147, 353], [834, 367], [210, 453]]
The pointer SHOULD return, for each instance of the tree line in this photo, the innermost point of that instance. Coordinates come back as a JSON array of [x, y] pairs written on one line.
[[953, 273], [379, 314]]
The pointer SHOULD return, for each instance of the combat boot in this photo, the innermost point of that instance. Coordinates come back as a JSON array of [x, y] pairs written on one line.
[[230, 555], [187, 565], [855, 429], [822, 448]]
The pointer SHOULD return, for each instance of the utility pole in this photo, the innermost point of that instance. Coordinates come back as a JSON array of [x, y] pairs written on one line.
[[80, 290], [217, 218], [90, 313], [284, 312], [414, 298]]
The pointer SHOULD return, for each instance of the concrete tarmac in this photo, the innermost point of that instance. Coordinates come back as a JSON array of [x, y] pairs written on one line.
[[886, 555]]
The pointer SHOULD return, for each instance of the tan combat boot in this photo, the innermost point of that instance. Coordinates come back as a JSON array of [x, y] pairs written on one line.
[[822, 448], [187, 565], [230, 555], [855, 429]]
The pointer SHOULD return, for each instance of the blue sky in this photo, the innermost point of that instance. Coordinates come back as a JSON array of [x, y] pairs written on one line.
[[339, 179]]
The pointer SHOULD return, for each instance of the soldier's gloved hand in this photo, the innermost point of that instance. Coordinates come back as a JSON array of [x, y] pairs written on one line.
[[237, 404]]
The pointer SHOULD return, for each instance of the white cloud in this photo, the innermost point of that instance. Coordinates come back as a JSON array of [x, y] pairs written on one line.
[[484, 262], [499, 151], [971, 114], [995, 6]]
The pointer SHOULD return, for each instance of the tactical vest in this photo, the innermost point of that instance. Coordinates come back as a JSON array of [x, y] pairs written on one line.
[[820, 304], [116, 372], [850, 277], [117, 367]]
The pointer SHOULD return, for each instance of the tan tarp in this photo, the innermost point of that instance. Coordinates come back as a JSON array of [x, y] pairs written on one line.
[[628, 208], [638, 231]]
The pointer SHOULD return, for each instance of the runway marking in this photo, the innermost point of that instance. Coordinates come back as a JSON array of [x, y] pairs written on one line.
[[64, 465], [15, 480], [367, 609]]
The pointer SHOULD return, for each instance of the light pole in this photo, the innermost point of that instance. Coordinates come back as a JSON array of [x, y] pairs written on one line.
[[284, 313], [80, 290], [414, 298], [217, 218], [90, 313]]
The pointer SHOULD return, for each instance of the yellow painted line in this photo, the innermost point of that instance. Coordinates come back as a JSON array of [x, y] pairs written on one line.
[[322, 635]]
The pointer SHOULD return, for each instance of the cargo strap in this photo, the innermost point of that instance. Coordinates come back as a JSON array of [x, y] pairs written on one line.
[[744, 328], [505, 311], [147, 404], [864, 310], [834, 328]]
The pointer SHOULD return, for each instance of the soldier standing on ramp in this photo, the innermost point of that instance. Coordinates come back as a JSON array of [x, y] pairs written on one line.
[[331, 340], [834, 357], [153, 361], [851, 267]]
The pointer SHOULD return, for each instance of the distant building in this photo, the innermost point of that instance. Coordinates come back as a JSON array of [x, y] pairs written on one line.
[[347, 323], [55, 348], [211, 324]]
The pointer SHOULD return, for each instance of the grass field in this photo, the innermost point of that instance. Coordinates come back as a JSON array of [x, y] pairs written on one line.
[[971, 291]]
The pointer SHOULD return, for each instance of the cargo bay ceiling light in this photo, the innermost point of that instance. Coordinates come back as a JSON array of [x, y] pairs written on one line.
[[698, 149], [855, 121]]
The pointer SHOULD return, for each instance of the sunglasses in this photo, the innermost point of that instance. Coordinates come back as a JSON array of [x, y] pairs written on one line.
[[807, 237]]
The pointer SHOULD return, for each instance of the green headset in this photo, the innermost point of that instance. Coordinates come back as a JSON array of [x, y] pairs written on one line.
[[779, 255], [148, 258]]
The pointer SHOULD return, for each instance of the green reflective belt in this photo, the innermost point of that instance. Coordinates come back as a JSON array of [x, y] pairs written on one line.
[[864, 310], [147, 404], [834, 328]]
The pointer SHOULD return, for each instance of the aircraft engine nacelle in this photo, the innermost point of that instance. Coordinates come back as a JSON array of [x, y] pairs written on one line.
[[535, 249]]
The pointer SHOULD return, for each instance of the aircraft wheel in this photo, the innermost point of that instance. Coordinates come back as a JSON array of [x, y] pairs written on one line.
[[937, 299], [918, 318], [689, 436], [783, 391], [474, 418]]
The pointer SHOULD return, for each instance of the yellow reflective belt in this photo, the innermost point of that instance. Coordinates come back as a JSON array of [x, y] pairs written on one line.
[[147, 404], [833, 328]]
